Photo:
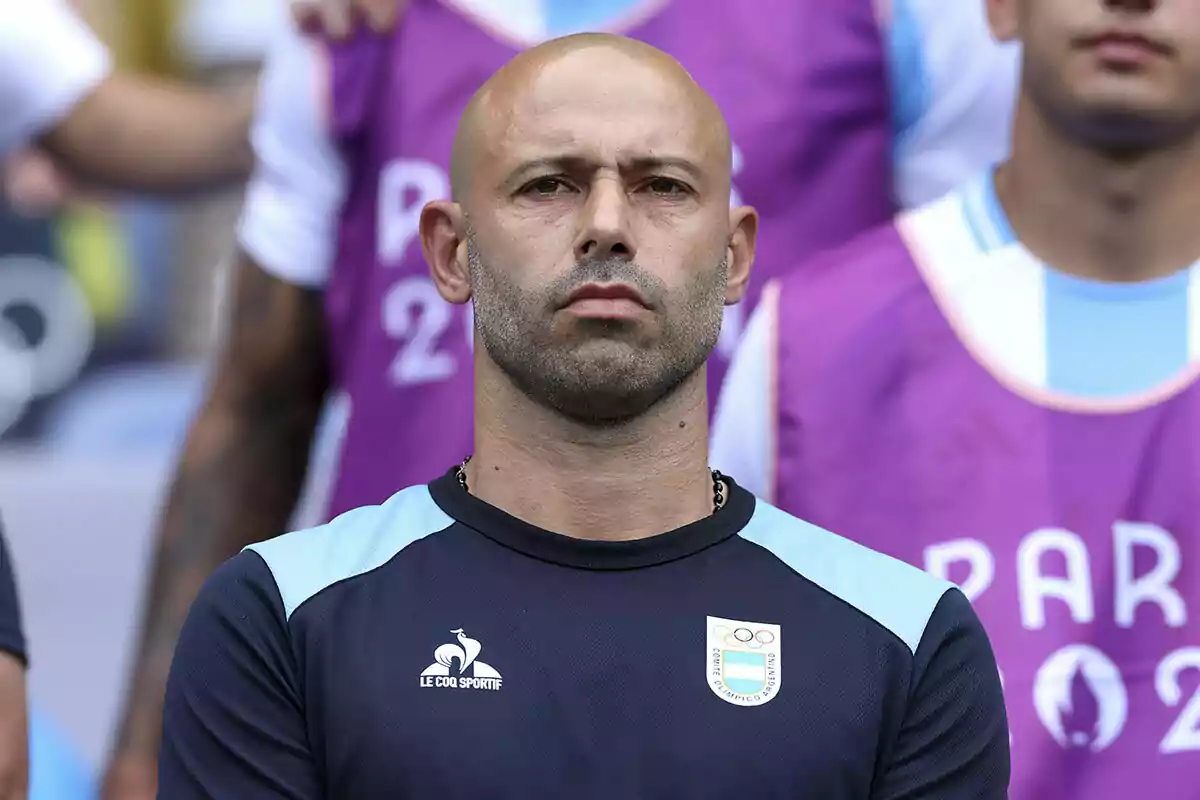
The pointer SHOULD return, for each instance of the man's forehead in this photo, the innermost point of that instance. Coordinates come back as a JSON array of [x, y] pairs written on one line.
[[604, 122], [601, 134]]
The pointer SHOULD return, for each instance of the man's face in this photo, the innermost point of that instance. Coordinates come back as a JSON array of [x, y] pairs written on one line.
[[1124, 73], [599, 224]]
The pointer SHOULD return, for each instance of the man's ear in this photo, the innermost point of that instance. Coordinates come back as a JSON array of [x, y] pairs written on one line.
[[743, 238], [444, 243]]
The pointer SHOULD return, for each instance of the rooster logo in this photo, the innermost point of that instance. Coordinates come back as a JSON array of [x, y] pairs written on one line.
[[466, 653]]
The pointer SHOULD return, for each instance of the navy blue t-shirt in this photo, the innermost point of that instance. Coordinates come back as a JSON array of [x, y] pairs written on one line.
[[436, 647], [12, 640]]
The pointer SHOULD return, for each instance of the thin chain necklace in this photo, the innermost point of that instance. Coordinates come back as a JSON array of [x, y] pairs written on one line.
[[718, 484]]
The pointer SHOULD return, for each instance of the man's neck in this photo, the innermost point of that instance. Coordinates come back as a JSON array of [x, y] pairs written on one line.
[[625, 482], [1099, 216]]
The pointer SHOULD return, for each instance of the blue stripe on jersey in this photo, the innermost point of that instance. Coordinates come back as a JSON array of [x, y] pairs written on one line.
[[975, 219], [1107, 339], [896, 595], [1102, 339], [984, 218], [306, 562], [909, 72], [565, 17]]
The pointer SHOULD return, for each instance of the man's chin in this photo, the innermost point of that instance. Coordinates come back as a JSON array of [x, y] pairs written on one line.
[[599, 410], [605, 394]]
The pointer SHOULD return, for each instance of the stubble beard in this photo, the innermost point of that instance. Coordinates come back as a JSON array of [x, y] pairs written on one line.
[[605, 376]]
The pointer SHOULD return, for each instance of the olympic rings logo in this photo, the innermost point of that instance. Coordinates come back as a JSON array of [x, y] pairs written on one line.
[[33, 369], [744, 637]]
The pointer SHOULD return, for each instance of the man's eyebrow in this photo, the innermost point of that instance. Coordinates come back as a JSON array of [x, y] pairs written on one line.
[[646, 164], [563, 163], [571, 164]]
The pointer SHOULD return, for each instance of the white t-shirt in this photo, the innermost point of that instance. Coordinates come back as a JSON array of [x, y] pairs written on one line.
[[953, 93], [49, 61], [289, 219], [214, 33]]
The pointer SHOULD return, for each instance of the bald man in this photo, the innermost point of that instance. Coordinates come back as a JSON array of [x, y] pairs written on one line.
[[582, 608]]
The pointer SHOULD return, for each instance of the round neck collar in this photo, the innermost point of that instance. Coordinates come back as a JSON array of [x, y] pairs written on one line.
[[569, 551]]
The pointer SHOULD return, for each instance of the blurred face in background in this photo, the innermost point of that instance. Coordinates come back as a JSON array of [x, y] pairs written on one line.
[[1119, 74]]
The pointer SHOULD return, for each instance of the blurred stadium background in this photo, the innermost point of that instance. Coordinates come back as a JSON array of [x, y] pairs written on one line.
[[109, 310]]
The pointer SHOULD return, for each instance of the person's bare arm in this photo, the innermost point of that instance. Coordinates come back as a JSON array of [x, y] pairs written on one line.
[[241, 474], [164, 136], [14, 727], [137, 133]]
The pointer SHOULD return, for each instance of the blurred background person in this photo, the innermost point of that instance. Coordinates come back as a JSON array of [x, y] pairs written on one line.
[[1002, 388], [133, 129], [116, 128], [84, 277], [58, 270], [838, 116]]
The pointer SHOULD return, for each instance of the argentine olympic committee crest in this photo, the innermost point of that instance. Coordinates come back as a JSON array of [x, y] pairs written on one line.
[[743, 661]]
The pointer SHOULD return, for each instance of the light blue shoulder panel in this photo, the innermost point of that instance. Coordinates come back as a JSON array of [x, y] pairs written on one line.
[[898, 596], [308, 561]]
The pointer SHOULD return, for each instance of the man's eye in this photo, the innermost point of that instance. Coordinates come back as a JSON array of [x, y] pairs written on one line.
[[666, 186], [547, 187]]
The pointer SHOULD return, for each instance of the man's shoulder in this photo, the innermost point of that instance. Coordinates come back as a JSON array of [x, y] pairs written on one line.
[[306, 562], [896, 595]]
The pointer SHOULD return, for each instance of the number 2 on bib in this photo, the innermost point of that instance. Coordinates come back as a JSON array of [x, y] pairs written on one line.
[[1185, 733], [416, 316]]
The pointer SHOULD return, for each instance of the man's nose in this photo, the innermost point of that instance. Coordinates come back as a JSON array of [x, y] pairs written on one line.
[[605, 231]]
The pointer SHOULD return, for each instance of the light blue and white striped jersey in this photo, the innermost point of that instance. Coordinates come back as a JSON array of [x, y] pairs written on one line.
[[1081, 337]]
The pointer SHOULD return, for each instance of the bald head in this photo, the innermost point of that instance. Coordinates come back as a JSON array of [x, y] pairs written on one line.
[[581, 68]]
